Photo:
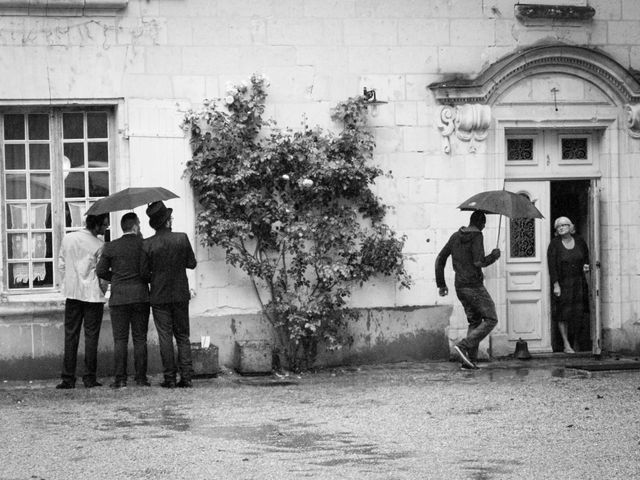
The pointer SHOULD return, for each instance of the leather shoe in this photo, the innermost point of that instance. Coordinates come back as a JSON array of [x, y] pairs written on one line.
[[65, 386], [118, 384], [184, 383], [168, 384], [92, 384], [143, 383]]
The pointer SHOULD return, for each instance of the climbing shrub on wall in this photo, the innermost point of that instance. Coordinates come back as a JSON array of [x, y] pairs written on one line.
[[294, 210]]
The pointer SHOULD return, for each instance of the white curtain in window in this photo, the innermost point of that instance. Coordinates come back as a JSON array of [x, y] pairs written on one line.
[[77, 210], [18, 216]]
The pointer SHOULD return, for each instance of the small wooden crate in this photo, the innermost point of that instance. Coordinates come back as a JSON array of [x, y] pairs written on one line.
[[205, 361], [253, 357]]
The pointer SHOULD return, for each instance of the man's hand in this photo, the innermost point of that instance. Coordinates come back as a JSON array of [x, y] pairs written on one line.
[[443, 292], [495, 253]]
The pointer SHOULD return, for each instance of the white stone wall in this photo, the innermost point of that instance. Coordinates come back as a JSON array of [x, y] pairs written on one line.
[[157, 57]]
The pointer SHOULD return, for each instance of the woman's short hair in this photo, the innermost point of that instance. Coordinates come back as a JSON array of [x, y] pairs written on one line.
[[564, 221]]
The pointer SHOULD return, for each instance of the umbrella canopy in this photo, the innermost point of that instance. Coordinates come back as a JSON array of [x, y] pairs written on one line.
[[502, 202], [130, 198]]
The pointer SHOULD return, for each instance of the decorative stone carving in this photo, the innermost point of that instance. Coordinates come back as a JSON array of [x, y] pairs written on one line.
[[633, 119], [469, 122]]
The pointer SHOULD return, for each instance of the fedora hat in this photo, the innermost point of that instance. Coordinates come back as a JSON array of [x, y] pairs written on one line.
[[158, 214]]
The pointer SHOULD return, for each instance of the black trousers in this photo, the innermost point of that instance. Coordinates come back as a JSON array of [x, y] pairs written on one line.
[[172, 320], [77, 312], [134, 316]]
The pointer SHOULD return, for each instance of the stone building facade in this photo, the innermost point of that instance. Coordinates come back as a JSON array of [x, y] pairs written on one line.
[[481, 95]]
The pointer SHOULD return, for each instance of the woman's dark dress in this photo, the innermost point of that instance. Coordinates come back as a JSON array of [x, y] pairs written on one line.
[[566, 268]]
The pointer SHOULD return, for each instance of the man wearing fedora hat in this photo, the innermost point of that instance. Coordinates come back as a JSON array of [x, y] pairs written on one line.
[[168, 255]]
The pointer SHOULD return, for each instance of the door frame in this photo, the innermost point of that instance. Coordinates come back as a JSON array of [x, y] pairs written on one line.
[[497, 170]]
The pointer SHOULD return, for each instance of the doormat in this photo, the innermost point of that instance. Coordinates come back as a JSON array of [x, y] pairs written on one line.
[[604, 366]]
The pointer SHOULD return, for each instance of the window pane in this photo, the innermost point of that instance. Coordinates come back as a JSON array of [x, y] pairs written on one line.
[[18, 245], [39, 156], [43, 274], [39, 126], [74, 185], [574, 148], [98, 184], [16, 187], [98, 155], [14, 127], [75, 214], [72, 125], [523, 237], [41, 245], [40, 186], [18, 275], [14, 157], [40, 215], [17, 216], [519, 149], [75, 153], [97, 125]]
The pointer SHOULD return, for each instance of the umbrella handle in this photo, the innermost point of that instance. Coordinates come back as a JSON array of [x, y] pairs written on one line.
[[499, 227]]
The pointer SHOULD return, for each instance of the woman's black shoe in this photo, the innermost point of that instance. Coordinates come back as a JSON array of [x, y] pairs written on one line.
[[168, 384]]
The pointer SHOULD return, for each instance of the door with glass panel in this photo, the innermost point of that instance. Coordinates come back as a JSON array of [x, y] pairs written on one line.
[[526, 271]]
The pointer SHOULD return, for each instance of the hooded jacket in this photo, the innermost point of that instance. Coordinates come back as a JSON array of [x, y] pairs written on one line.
[[466, 248]]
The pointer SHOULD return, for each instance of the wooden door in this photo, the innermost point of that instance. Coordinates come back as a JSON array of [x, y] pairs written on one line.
[[527, 299], [594, 274]]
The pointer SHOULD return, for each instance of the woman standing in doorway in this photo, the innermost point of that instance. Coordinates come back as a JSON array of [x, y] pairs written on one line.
[[568, 258]]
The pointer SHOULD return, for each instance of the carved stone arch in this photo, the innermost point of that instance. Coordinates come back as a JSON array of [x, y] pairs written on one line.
[[619, 83]]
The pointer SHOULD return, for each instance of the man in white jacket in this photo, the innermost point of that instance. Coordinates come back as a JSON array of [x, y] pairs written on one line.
[[77, 260]]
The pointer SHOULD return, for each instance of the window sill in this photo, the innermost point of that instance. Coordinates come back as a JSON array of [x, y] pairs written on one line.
[[31, 305]]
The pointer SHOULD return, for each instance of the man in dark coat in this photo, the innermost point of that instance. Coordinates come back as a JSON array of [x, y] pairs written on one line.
[[168, 255], [466, 248], [121, 263]]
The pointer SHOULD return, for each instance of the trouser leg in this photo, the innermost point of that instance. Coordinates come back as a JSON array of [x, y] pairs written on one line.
[[73, 312], [120, 315], [139, 328], [164, 326], [181, 332], [478, 305], [92, 322]]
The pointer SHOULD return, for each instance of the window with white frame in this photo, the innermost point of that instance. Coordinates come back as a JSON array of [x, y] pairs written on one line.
[[55, 164]]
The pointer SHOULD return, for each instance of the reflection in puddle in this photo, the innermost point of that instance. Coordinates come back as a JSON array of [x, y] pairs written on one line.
[[487, 469], [330, 449], [525, 374], [165, 418]]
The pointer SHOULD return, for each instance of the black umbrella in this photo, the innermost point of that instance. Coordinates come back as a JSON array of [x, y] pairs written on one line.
[[130, 198], [502, 202]]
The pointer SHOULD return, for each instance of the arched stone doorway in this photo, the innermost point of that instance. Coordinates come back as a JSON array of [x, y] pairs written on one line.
[[559, 123]]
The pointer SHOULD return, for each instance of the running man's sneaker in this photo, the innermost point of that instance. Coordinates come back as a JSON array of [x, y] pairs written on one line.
[[464, 357]]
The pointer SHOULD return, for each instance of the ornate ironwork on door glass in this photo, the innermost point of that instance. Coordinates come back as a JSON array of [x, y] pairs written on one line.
[[574, 149], [519, 149], [522, 237]]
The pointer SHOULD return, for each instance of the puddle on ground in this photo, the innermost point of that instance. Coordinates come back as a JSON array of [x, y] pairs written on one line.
[[166, 418], [525, 374], [487, 469], [328, 448]]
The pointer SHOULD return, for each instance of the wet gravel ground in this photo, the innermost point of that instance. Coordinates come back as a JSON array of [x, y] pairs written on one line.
[[400, 421]]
